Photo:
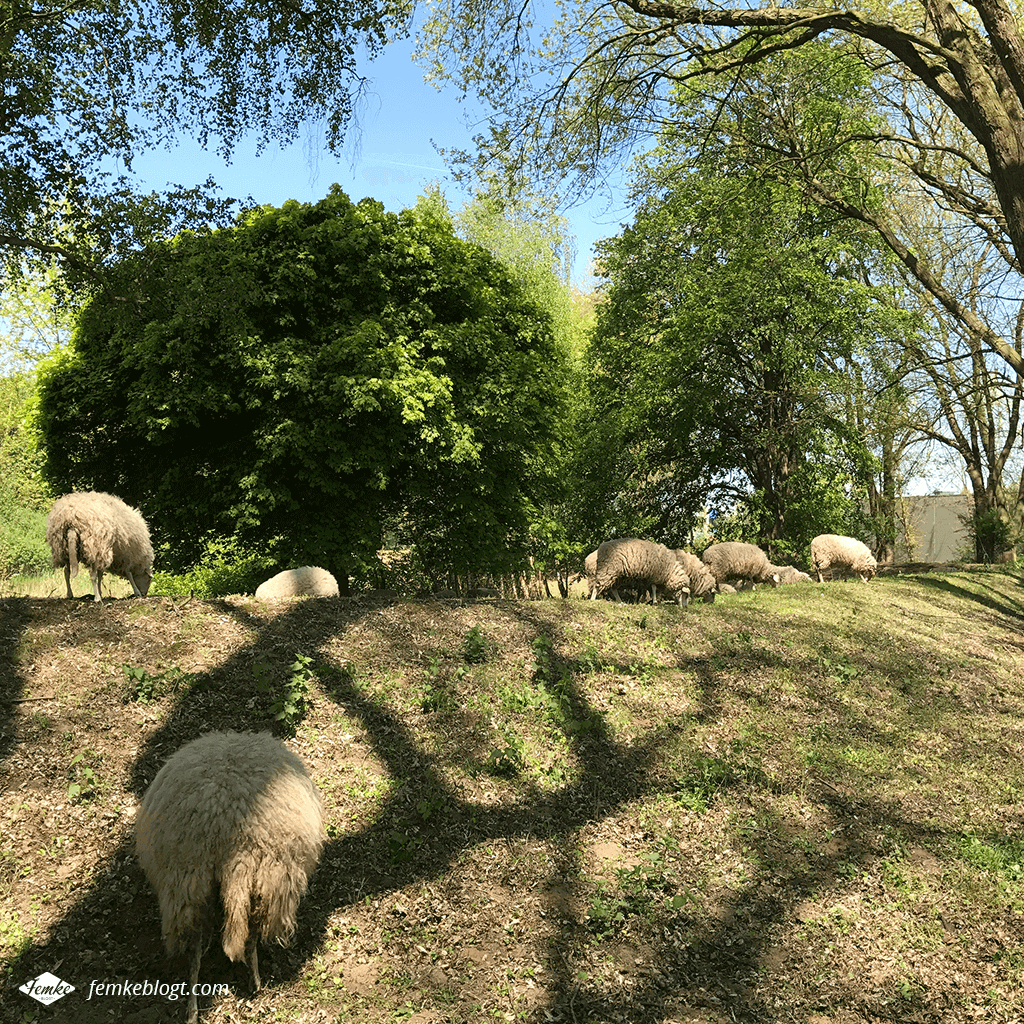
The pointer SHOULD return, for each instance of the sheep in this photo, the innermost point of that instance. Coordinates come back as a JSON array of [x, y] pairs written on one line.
[[103, 533], [230, 819], [640, 587], [702, 583], [829, 549], [590, 565], [639, 563], [733, 560], [790, 574], [307, 580]]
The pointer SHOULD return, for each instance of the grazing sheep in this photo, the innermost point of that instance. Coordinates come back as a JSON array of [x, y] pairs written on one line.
[[702, 583], [307, 580], [830, 550], [104, 534], [733, 560], [629, 562], [590, 565], [790, 574], [231, 819], [726, 588]]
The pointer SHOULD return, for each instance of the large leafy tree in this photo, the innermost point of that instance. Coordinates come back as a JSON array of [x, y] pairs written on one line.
[[947, 75], [307, 378], [90, 83], [735, 311]]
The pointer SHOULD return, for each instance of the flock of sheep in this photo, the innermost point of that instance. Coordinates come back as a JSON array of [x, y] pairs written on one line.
[[231, 828], [643, 566]]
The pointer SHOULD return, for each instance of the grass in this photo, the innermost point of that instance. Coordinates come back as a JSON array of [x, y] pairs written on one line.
[[791, 805]]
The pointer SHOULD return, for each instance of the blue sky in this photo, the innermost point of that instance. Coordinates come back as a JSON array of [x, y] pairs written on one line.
[[391, 159]]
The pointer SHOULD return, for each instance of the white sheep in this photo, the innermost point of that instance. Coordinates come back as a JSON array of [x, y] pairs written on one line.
[[103, 533], [790, 574], [702, 583], [629, 562], [231, 817], [733, 560], [830, 550], [307, 580]]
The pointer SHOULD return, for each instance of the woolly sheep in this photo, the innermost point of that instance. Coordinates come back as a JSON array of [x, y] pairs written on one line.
[[307, 580], [639, 563], [235, 816], [104, 534], [641, 587], [702, 583], [790, 574], [830, 550], [733, 560]]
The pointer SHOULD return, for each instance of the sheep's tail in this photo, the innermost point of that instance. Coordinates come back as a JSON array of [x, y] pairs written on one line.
[[71, 539], [236, 892]]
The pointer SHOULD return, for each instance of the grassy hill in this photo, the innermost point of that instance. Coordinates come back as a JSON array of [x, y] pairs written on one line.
[[792, 805]]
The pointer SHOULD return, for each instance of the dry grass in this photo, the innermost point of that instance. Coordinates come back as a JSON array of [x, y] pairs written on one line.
[[793, 805]]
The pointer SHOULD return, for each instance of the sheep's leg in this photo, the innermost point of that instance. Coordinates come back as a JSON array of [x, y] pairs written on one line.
[[654, 593], [67, 580], [615, 594], [253, 958], [197, 955], [131, 579], [593, 594], [97, 578]]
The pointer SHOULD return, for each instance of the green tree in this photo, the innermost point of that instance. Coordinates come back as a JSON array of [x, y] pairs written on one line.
[[947, 78], [88, 82], [304, 380], [733, 308]]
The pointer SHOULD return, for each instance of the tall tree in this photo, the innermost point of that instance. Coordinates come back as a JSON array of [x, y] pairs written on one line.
[[89, 82], [948, 75], [304, 380], [734, 308]]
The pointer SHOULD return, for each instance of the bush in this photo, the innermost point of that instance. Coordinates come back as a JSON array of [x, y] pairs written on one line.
[[222, 572], [23, 547]]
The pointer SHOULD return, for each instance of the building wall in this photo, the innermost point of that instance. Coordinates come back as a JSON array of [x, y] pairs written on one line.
[[932, 530]]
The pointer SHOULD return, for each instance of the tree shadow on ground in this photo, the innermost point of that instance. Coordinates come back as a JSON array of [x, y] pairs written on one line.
[[112, 930]]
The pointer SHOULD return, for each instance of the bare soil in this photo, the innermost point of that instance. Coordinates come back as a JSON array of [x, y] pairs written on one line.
[[737, 812]]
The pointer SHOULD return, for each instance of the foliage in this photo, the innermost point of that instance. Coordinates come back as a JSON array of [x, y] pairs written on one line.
[[93, 83], [309, 378], [288, 704], [475, 646], [224, 569], [23, 501], [733, 307]]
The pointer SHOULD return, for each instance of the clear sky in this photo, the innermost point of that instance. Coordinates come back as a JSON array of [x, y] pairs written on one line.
[[391, 159]]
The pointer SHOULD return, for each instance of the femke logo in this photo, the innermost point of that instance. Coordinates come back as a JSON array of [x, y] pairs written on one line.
[[47, 988]]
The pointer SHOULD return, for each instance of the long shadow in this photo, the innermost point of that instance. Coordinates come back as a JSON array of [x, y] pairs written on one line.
[[996, 604], [357, 865], [113, 931], [15, 613]]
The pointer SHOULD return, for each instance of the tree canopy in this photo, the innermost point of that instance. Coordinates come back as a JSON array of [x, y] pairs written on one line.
[[947, 79], [90, 83], [307, 379], [735, 309]]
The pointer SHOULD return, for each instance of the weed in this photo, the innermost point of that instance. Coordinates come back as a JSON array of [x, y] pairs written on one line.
[[83, 779], [289, 703], [1000, 854], [143, 688], [837, 668], [475, 646], [545, 660], [505, 761]]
